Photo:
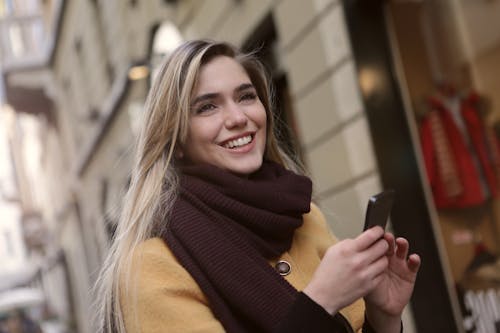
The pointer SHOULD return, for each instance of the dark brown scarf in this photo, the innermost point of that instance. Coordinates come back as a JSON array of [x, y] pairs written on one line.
[[223, 229]]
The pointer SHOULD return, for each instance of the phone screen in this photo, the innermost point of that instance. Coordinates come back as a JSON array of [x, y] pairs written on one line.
[[379, 209]]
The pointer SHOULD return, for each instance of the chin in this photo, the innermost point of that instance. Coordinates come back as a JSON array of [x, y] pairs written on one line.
[[245, 169]]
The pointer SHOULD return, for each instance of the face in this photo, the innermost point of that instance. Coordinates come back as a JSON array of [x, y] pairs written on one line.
[[227, 125]]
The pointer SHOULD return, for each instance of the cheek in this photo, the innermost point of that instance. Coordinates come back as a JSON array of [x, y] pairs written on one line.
[[201, 131], [261, 117], [202, 134]]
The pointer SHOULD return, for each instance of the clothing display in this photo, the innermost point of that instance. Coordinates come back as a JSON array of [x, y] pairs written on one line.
[[228, 238], [462, 161], [461, 154]]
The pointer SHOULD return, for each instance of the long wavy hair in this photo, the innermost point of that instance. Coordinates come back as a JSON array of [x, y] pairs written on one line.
[[154, 179]]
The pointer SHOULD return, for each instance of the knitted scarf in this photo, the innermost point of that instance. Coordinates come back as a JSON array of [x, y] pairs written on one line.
[[223, 228]]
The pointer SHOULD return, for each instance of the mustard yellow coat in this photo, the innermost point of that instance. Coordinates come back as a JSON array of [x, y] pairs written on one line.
[[165, 298]]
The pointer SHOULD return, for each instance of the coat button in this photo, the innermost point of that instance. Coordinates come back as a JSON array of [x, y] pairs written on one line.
[[283, 267]]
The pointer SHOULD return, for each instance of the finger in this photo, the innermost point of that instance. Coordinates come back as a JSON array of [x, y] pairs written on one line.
[[368, 237], [402, 248], [377, 267], [375, 252], [389, 238], [414, 263]]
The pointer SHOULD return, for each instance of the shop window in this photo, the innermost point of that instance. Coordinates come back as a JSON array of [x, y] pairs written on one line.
[[457, 141]]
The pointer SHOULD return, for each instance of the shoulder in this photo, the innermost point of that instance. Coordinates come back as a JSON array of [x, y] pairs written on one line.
[[156, 289], [152, 247], [156, 266], [154, 274], [152, 254]]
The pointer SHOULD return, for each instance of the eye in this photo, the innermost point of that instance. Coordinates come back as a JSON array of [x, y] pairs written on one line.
[[205, 108], [248, 97]]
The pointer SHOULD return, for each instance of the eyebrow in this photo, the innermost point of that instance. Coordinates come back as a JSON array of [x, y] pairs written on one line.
[[244, 86], [209, 96]]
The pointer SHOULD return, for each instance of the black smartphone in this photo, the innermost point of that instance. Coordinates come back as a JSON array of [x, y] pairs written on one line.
[[378, 209]]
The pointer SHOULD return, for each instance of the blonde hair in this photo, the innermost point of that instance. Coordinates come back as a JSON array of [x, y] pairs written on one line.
[[154, 181]]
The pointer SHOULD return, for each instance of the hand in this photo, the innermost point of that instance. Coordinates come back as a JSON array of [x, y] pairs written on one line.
[[349, 270], [385, 303]]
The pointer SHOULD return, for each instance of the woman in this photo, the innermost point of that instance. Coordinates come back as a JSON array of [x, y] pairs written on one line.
[[218, 232]]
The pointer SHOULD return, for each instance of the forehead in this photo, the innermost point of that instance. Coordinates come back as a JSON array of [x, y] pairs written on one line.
[[220, 73]]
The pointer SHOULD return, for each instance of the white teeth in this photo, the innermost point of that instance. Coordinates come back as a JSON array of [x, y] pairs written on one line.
[[238, 142]]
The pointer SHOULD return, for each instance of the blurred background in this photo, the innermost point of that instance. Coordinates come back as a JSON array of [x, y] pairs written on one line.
[[401, 94]]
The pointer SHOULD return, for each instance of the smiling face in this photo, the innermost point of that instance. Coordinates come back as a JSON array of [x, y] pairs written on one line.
[[227, 124]]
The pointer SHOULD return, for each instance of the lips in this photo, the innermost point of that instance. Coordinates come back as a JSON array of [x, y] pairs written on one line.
[[238, 141]]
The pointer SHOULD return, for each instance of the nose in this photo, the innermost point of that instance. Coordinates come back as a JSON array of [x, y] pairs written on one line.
[[235, 116]]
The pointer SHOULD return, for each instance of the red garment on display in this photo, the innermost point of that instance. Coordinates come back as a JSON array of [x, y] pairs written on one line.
[[455, 179]]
